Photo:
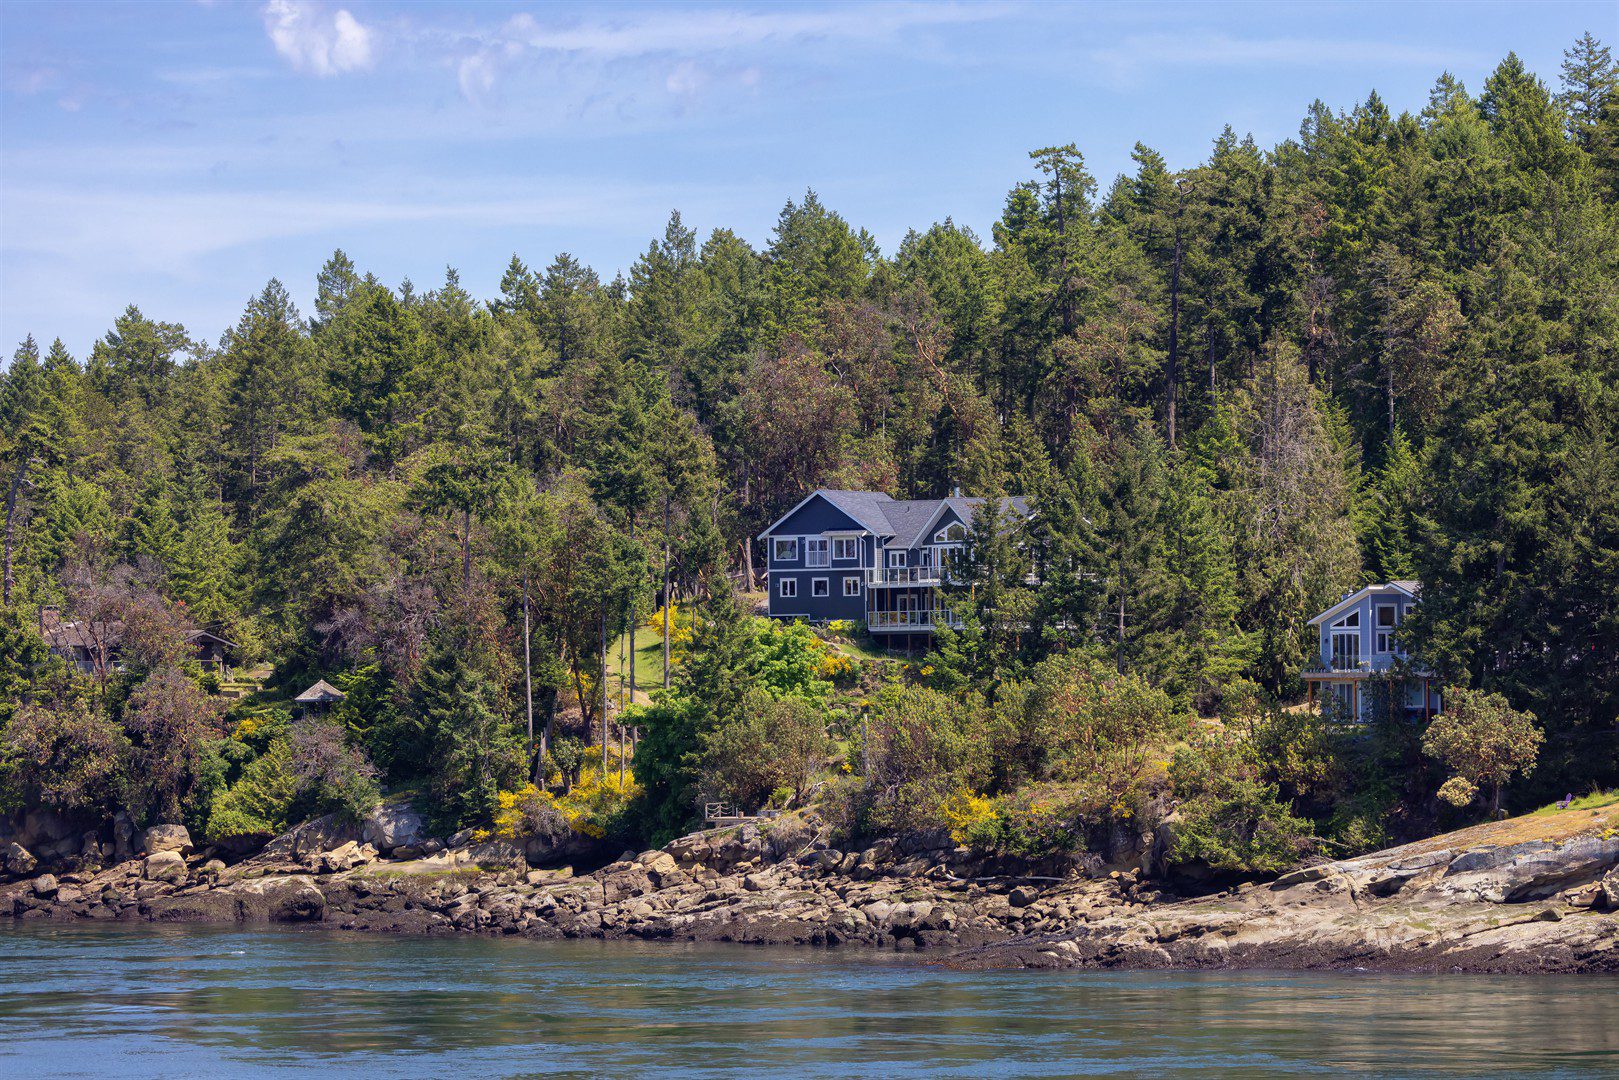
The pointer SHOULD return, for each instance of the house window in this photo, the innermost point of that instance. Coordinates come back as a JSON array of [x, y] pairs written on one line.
[[819, 587], [1388, 617], [785, 550], [851, 586], [896, 558], [950, 534], [845, 548], [1346, 642], [817, 551], [787, 588]]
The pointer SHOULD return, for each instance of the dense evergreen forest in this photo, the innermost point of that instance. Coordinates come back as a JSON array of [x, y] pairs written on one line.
[[1387, 348]]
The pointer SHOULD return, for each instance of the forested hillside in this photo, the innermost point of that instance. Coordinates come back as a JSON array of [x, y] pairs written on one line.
[[1388, 348]]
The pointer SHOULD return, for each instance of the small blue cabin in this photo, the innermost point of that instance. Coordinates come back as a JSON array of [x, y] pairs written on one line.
[[864, 557], [1360, 639]]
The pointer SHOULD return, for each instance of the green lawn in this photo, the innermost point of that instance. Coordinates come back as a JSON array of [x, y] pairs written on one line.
[[648, 666], [1594, 801]]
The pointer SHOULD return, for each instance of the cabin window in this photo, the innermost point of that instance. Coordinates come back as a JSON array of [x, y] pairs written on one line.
[[820, 587], [846, 547], [896, 559], [817, 551], [787, 588], [951, 534], [1388, 617], [1345, 649], [786, 550], [851, 586]]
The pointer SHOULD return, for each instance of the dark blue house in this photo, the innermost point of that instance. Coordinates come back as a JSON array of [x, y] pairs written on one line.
[[864, 557]]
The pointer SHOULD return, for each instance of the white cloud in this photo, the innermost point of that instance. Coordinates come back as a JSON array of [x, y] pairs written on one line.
[[317, 42], [703, 42]]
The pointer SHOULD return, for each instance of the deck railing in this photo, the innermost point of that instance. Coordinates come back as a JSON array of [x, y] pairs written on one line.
[[903, 575], [910, 620]]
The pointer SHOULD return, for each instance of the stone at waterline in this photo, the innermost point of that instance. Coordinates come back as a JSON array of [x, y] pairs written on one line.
[[169, 866], [16, 860], [45, 886]]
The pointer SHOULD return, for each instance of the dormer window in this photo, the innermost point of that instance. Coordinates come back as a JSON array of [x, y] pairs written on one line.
[[786, 550]]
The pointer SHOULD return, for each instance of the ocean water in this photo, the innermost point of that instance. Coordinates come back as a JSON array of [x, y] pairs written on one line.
[[169, 1002]]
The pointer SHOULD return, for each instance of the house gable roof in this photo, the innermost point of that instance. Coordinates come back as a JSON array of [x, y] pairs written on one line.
[[868, 509], [905, 520], [1410, 588], [965, 508]]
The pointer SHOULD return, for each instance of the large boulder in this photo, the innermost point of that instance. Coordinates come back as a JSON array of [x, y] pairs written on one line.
[[314, 837], [42, 828], [345, 857], [161, 838], [16, 860], [169, 866], [284, 899], [392, 825], [45, 886]]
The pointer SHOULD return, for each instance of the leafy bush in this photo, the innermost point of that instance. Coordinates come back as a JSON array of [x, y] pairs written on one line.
[[1485, 741], [260, 802], [922, 748], [1230, 820], [775, 743], [530, 812]]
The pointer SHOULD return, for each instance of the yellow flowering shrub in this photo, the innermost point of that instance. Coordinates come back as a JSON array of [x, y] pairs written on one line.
[[966, 813], [679, 625], [589, 808]]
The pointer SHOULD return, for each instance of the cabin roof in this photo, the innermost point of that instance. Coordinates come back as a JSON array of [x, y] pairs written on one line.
[[322, 691], [1410, 588]]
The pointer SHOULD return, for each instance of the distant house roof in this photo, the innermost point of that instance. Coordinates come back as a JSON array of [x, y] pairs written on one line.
[[905, 520], [1410, 588], [319, 694], [197, 636]]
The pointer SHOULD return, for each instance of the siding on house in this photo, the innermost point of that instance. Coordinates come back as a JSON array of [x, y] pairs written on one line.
[[1359, 638], [858, 584]]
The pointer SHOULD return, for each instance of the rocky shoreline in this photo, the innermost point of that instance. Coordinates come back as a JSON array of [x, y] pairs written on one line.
[[1492, 899]]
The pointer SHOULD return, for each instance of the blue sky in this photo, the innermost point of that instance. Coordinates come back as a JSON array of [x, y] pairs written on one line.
[[178, 155]]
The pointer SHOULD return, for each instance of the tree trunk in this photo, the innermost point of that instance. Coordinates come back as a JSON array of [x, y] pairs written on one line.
[[12, 490], [604, 689], [1172, 369], [666, 597], [528, 686], [631, 632]]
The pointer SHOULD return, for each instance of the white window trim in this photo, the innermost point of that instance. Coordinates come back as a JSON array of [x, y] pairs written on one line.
[[823, 584], [943, 535], [851, 585], [776, 556], [787, 588], [826, 559], [897, 559], [836, 540], [1383, 636]]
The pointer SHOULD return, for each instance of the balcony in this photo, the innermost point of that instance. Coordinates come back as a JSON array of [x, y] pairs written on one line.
[[880, 621], [1346, 665], [903, 575]]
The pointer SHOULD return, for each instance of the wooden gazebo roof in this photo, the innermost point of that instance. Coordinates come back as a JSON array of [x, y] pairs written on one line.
[[319, 694]]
